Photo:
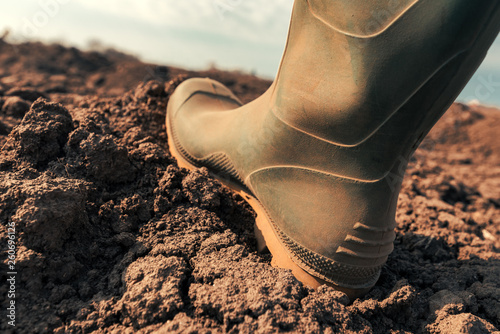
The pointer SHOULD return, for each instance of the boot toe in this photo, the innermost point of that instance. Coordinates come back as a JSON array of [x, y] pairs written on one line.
[[204, 88], [197, 121]]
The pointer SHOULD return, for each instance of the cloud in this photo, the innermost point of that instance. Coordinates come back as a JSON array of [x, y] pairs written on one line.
[[257, 20]]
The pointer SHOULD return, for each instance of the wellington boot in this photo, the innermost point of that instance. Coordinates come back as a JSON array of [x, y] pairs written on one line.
[[321, 155]]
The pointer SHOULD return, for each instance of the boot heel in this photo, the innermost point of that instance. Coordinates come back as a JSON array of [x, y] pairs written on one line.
[[267, 238]]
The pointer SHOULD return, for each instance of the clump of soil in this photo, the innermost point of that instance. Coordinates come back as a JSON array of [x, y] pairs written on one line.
[[112, 236]]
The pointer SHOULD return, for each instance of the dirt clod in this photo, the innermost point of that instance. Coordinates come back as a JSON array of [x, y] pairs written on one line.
[[42, 133], [15, 106]]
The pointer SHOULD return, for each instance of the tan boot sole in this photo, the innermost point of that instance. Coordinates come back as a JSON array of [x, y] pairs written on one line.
[[264, 232]]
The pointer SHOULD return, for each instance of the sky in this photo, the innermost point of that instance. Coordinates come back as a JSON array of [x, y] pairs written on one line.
[[248, 35]]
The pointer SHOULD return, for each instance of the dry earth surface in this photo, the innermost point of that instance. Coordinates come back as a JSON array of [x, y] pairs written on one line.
[[112, 237]]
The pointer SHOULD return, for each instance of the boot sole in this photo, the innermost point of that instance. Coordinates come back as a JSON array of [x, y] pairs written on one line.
[[264, 231]]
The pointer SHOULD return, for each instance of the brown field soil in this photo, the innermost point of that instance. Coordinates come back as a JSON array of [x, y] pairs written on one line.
[[111, 236]]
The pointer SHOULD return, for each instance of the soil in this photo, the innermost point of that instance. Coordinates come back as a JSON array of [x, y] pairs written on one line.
[[112, 237]]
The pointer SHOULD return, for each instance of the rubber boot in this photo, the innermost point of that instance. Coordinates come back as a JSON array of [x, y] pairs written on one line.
[[321, 155]]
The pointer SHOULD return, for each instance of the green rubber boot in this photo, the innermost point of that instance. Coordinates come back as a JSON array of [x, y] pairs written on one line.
[[321, 155]]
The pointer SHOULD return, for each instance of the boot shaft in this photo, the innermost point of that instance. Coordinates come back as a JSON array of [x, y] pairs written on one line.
[[369, 59]]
